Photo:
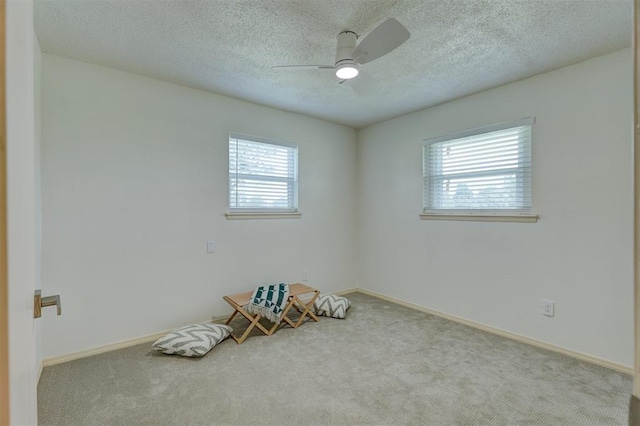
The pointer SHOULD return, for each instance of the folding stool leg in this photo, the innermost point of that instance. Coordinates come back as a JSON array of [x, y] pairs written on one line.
[[311, 314], [307, 309], [253, 320], [248, 330], [274, 328], [284, 317], [231, 317]]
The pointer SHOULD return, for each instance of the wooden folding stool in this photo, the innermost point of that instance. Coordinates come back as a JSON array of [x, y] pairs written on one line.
[[305, 309], [237, 301]]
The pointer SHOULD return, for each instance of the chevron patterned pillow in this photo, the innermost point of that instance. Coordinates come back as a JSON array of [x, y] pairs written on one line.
[[192, 340], [331, 305]]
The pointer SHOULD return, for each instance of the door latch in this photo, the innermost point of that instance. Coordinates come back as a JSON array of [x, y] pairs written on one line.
[[40, 302]]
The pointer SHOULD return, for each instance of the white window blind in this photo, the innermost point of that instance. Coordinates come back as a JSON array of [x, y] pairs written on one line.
[[263, 175], [487, 170]]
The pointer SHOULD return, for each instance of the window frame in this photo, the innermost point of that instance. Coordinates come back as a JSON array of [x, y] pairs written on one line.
[[479, 214], [262, 212]]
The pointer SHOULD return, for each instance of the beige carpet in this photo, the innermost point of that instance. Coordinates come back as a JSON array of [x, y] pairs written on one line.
[[383, 365]]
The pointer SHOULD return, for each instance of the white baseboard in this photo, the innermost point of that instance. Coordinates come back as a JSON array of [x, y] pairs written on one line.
[[102, 349], [113, 346], [343, 292], [500, 332], [39, 373]]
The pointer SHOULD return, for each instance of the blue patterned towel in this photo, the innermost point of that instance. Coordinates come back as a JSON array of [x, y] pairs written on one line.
[[269, 301]]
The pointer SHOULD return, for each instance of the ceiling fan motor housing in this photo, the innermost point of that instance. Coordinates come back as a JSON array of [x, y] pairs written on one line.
[[344, 51]]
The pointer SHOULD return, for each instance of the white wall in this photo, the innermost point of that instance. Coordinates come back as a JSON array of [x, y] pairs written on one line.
[[22, 208], [134, 184], [580, 252]]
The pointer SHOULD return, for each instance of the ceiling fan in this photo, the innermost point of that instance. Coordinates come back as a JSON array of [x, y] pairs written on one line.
[[350, 54]]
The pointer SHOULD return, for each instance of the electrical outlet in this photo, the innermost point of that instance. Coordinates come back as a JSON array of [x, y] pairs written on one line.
[[305, 275], [547, 307], [211, 247]]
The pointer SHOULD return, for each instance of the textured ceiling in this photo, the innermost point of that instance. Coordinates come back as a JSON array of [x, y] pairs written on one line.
[[457, 47]]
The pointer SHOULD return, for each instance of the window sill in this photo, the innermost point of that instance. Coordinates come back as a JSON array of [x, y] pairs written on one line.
[[530, 218], [262, 215]]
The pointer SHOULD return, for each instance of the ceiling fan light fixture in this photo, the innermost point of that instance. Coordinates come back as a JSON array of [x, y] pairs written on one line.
[[347, 71]]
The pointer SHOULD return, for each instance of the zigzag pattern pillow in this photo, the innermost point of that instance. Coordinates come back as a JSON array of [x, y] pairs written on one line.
[[192, 340], [331, 305]]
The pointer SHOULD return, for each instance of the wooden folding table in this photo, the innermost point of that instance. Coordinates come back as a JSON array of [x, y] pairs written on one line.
[[238, 301]]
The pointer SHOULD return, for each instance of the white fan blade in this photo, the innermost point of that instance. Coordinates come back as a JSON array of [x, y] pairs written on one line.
[[363, 84], [303, 67], [382, 40]]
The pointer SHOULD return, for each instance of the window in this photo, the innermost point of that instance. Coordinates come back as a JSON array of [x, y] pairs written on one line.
[[263, 175], [485, 171]]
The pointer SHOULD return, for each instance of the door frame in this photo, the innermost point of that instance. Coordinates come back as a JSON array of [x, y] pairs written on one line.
[[634, 413], [4, 305]]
